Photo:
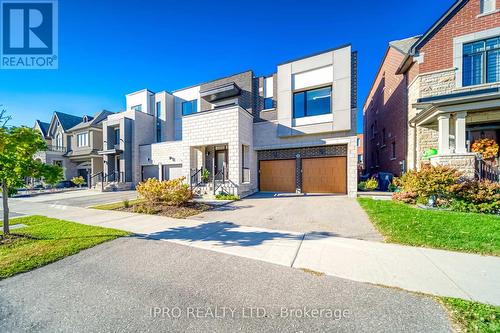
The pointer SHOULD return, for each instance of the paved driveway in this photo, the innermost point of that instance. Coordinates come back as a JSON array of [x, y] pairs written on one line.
[[335, 215], [118, 286]]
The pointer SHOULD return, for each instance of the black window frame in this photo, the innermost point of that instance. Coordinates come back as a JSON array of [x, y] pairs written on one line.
[[305, 91]]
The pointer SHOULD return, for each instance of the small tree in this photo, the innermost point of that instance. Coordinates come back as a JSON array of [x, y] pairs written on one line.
[[78, 181], [52, 174], [17, 147]]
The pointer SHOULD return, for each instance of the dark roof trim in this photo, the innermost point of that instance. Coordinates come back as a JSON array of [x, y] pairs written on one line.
[[220, 78], [438, 25], [459, 94], [316, 53]]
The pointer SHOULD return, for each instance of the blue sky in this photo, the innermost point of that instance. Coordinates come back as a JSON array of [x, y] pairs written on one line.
[[110, 48]]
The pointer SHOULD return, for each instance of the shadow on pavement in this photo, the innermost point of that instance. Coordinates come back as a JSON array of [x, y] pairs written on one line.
[[222, 233]]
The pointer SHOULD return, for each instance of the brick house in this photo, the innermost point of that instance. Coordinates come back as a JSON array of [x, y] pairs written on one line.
[[452, 75], [385, 113]]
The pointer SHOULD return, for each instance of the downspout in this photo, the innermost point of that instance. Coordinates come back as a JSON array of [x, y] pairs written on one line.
[[414, 138], [407, 121]]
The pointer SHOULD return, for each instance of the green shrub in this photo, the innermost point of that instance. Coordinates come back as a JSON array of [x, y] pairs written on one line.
[[361, 186], [171, 192], [476, 196], [144, 209], [392, 187], [223, 196], [205, 175], [126, 204], [371, 184], [428, 182], [406, 197], [78, 181]]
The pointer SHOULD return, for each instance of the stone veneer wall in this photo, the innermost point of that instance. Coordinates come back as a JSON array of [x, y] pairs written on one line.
[[426, 85], [463, 162]]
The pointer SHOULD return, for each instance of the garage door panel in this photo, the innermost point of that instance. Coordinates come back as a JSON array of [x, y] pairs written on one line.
[[324, 175], [277, 176]]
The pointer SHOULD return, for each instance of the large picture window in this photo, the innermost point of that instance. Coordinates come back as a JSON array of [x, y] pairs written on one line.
[[313, 102], [189, 107], [481, 62]]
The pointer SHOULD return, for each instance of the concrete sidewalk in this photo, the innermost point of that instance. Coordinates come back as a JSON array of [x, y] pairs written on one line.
[[437, 272]]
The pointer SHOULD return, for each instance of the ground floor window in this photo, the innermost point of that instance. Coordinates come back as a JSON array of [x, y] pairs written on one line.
[[245, 164]]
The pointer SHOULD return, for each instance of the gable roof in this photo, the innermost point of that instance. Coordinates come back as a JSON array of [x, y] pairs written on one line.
[[67, 120], [438, 25], [92, 121], [404, 45], [44, 127], [448, 15]]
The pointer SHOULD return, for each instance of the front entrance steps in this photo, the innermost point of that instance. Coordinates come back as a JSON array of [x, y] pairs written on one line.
[[206, 190]]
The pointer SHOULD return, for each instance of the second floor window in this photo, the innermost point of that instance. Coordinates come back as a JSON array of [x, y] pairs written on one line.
[[117, 136], [59, 140], [189, 107], [82, 139], [312, 102], [137, 107], [268, 103], [487, 6], [158, 121], [481, 62]]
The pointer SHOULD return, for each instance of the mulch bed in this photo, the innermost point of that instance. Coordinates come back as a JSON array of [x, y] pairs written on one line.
[[181, 212]]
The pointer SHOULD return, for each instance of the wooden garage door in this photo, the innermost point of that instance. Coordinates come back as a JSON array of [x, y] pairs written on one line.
[[324, 175], [277, 176]]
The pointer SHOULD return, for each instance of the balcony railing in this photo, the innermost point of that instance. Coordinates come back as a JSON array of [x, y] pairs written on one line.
[[57, 149]]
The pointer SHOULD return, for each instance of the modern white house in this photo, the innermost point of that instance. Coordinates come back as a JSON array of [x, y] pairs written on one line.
[[291, 131]]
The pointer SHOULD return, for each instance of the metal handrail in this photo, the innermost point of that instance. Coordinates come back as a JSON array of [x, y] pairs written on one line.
[[485, 170], [222, 172], [196, 180]]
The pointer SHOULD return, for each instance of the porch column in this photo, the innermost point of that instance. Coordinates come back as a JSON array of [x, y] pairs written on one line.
[[444, 134], [460, 145]]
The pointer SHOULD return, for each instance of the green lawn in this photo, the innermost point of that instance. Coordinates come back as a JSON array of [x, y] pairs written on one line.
[[467, 232], [473, 317], [45, 240]]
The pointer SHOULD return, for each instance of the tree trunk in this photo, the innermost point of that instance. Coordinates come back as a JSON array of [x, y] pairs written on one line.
[[5, 199]]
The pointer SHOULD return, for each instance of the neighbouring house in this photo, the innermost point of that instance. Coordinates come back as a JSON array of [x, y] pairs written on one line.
[[290, 131], [451, 75], [86, 141], [385, 113], [72, 143]]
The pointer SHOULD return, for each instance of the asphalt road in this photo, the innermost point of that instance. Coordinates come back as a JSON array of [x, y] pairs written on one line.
[[143, 285], [83, 198]]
